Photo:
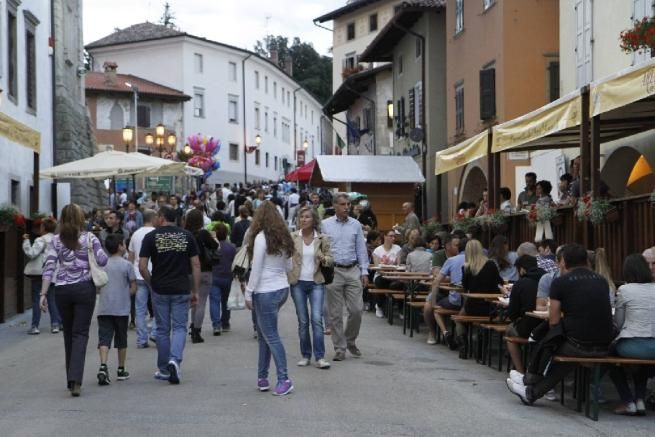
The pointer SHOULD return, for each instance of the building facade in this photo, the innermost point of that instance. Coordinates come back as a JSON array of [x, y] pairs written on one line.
[[26, 124], [237, 96]]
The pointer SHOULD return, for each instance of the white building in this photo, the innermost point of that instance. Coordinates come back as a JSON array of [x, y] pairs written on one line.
[[237, 96], [26, 129]]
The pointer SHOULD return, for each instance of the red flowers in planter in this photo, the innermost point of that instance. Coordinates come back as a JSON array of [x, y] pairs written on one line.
[[640, 37]]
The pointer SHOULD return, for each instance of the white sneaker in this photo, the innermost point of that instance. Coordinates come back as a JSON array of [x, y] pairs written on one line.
[[378, 312], [431, 339], [34, 331], [518, 390], [551, 395], [516, 377], [304, 362], [323, 364]]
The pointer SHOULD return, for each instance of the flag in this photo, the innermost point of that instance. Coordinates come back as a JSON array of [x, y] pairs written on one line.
[[340, 142]]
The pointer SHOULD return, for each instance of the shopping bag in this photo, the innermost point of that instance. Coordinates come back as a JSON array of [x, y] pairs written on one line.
[[236, 300]]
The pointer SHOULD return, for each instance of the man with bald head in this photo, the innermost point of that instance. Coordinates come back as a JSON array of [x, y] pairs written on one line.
[[649, 254], [411, 219]]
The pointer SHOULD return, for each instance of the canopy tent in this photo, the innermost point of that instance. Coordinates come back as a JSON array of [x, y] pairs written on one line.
[[114, 163], [366, 169], [302, 174]]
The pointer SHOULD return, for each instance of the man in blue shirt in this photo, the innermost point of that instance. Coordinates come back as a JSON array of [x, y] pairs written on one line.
[[350, 276]]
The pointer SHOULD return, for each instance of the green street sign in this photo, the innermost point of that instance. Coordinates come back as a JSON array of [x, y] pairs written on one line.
[[159, 183]]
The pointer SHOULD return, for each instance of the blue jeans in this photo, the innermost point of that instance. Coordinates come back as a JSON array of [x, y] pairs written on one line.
[[267, 306], [301, 293], [218, 294], [55, 318], [171, 314], [141, 304]]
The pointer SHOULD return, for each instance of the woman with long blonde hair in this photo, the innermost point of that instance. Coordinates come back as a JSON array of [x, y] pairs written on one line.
[[67, 265], [602, 267], [270, 249], [480, 276]]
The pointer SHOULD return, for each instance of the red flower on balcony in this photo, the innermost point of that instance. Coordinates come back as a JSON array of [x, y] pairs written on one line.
[[640, 37]]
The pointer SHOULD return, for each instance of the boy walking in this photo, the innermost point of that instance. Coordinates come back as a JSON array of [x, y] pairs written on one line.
[[114, 308]]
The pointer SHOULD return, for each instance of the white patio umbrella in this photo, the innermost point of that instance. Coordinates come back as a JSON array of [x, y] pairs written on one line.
[[166, 167]]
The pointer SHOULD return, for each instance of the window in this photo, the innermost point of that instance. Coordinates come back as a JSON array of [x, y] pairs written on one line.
[[400, 65], [350, 31], [257, 80], [266, 159], [553, 81], [419, 47], [641, 9], [283, 95], [459, 16], [257, 157], [116, 120], [30, 70], [488, 93], [350, 60], [143, 116], [265, 121], [12, 54], [289, 98], [486, 4], [233, 109], [275, 163], [15, 193], [368, 118], [459, 108], [275, 90], [257, 118], [197, 62], [583, 46], [286, 131], [266, 84], [232, 71], [401, 124], [199, 103], [274, 125], [234, 152], [373, 22], [312, 117]]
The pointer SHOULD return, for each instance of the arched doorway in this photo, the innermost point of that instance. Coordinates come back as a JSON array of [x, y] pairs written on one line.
[[627, 173], [473, 182]]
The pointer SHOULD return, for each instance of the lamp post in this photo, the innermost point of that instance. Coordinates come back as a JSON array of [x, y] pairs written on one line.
[[135, 90], [128, 135], [246, 149], [159, 139]]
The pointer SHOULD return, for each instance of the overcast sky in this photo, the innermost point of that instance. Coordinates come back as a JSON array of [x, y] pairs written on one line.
[[237, 22]]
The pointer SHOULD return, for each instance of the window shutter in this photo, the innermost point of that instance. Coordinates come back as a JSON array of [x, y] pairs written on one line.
[[588, 36], [402, 116], [553, 73], [487, 94], [412, 110], [579, 42]]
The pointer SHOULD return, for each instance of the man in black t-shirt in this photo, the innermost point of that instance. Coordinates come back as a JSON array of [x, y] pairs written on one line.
[[174, 255], [579, 301]]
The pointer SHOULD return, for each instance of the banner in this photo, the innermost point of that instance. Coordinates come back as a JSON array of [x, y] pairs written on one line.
[[623, 88], [462, 153]]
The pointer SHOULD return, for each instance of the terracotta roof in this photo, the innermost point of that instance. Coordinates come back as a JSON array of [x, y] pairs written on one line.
[[136, 32], [97, 83], [344, 10], [390, 35]]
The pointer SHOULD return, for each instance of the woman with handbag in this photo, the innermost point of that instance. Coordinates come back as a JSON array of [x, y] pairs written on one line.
[[75, 255], [34, 269], [270, 247], [206, 244], [307, 284]]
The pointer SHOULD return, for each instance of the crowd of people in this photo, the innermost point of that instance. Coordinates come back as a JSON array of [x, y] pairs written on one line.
[[173, 256]]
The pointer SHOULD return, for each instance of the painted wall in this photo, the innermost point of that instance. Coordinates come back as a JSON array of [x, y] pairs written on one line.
[[17, 159]]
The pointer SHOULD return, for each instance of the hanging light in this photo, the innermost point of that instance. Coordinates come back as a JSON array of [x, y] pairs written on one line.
[[187, 149], [128, 136], [150, 139], [258, 139], [305, 144], [160, 130], [172, 140]]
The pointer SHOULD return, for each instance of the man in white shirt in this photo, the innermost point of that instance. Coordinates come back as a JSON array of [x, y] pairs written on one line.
[[142, 289], [122, 198], [294, 199]]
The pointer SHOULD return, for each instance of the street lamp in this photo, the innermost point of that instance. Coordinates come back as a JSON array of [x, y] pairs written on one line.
[[389, 113], [159, 139], [249, 149], [258, 139], [187, 150], [305, 144], [128, 135]]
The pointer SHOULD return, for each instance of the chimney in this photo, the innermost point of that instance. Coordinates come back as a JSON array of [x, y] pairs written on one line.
[[272, 55], [288, 65], [110, 72]]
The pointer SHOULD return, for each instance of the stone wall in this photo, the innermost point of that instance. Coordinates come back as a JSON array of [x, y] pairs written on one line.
[[74, 137]]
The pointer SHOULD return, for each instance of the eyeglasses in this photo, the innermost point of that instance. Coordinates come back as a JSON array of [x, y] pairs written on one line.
[[390, 235]]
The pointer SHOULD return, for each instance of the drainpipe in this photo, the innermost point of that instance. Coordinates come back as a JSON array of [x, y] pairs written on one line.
[[245, 146], [295, 127], [53, 186], [424, 196], [374, 114]]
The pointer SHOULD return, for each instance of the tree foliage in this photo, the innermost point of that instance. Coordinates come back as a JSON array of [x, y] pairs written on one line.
[[311, 70], [168, 17]]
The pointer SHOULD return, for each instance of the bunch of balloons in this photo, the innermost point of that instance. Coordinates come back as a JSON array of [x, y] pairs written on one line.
[[204, 153]]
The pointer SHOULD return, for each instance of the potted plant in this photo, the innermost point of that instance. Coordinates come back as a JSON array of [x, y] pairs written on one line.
[[463, 223], [10, 216], [541, 214], [494, 220], [641, 36], [596, 210]]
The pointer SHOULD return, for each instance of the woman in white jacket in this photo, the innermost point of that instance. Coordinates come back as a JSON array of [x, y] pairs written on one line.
[[270, 248], [33, 270]]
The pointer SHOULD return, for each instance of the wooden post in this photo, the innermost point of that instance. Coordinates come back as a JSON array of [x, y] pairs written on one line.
[[493, 170], [585, 159], [595, 156]]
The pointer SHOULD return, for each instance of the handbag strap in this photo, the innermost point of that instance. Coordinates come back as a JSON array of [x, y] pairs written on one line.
[[89, 248]]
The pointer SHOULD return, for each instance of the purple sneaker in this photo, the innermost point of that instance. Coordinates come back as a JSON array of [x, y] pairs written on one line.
[[263, 385], [283, 388]]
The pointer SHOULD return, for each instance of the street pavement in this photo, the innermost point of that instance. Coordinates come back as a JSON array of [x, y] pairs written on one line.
[[400, 387]]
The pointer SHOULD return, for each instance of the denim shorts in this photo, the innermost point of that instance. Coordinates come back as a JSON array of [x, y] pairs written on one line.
[[113, 327]]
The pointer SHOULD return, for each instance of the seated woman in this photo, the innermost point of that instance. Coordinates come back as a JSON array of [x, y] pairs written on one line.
[[505, 260], [480, 276], [523, 298], [388, 254], [635, 319]]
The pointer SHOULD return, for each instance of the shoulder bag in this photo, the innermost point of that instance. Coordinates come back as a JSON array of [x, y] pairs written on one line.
[[98, 275], [326, 271], [241, 263]]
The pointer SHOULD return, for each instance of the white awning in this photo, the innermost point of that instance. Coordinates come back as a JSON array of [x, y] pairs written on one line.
[[365, 168]]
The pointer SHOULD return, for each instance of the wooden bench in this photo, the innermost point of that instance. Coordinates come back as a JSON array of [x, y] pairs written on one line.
[[389, 305], [473, 320], [591, 373], [486, 331]]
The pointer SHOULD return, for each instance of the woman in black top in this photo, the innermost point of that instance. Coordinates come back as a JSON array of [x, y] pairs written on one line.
[[480, 275], [523, 299], [206, 243]]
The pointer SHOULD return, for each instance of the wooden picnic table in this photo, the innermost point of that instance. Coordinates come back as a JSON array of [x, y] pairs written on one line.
[[386, 273], [405, 277], [449, 287], [543, 315], [484, 296], [386, 268]]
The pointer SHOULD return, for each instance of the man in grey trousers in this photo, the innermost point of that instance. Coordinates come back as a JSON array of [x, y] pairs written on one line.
[[350, 276]]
